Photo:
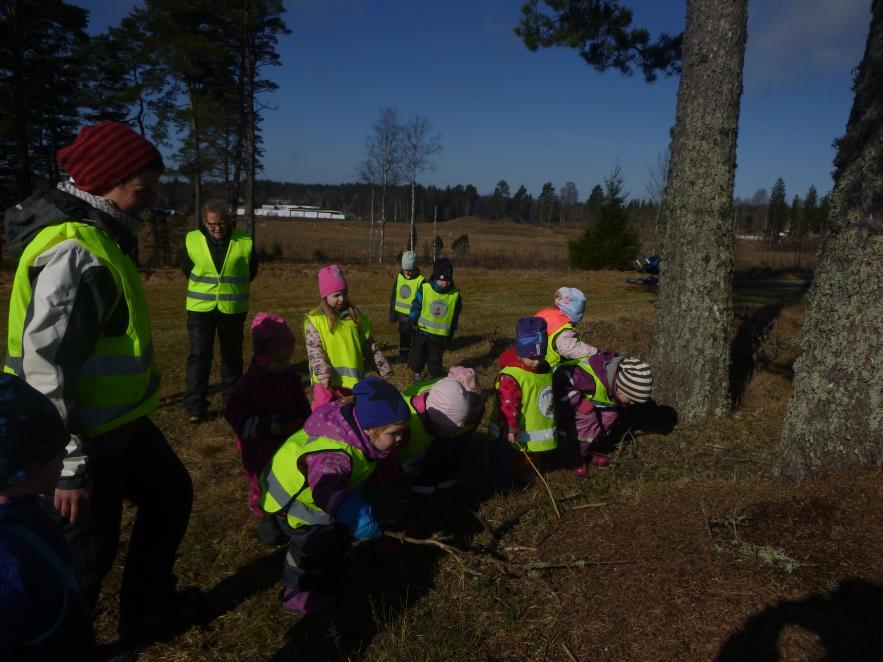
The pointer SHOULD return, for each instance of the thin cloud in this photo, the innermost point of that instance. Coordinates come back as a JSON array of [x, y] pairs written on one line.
[[796, 40]]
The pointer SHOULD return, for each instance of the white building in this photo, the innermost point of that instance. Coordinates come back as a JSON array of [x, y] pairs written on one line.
[[296, 211]]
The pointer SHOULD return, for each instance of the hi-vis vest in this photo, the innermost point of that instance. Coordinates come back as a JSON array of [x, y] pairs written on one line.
[[406, 290], [536, 418], [227, 291], [284, 483], [344, 347], [600, 398], [411, 454], [556, 322], [119, 382], [437, 312]]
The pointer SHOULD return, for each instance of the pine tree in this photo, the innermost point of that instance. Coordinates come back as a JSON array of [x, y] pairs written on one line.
[[778, 210]]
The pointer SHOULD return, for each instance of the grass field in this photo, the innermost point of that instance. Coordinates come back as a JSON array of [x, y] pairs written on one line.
[[683, 549]]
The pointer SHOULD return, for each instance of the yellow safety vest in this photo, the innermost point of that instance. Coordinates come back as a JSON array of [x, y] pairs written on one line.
[[600, 398], [284, 483], [344, 347], [410, 455], [556, 322], [119, 381], [227, 291], [406, 290], [536, 418], [437, 311]]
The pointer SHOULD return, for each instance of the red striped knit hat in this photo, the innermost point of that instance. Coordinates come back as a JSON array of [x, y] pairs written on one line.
[[106, 154]]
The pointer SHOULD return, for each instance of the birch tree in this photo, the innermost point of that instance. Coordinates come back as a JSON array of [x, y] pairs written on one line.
[[420, 147], [384, 160]]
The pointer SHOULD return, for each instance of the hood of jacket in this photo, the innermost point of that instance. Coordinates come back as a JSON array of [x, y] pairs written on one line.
[[337, 421], [509, 358], [42, 210]]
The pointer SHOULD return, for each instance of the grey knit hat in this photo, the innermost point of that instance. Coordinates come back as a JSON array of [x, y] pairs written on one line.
[[409, 260], [635, 379]]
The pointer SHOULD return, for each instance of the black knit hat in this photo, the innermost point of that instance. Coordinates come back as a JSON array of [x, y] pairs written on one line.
[[31, 431], [442, 267]]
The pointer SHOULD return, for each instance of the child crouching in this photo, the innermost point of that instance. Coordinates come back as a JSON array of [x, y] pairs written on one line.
[[443, 414], [589, 396], [524, 419], [266, 406], [313, 482]]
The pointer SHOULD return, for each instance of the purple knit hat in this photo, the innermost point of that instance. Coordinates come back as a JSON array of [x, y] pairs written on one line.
[[531, 339], [269, 336], [379, 403]]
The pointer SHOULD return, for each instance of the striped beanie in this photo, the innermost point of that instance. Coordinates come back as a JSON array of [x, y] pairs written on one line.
[[105, 155], [634, 378]]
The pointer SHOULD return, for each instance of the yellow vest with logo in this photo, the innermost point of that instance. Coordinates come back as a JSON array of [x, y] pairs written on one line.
[[227, 291], [344, 347], [119, 381], [410, 455], [536, 417], [406, 290], [284, 483], [437, 311]]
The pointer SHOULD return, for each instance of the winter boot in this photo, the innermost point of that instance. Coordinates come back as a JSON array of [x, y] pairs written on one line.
[[307, 603]]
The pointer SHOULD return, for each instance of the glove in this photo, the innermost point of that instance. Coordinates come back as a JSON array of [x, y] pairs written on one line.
[[358, 516]]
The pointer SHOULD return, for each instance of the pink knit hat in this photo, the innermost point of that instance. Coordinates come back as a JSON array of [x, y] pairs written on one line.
[[331, 280], [269, 336], [467, 377], [451, 406]]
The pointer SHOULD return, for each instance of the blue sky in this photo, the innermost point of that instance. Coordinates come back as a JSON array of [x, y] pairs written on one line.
[[506, 113]]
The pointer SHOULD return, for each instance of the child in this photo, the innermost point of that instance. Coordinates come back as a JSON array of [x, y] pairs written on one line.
[[525, 415], [443, 413], [338, 338], [589, 394], [267, 405], [564, 343], [407, 282], [312, 484], [435, 312], [42, 615]]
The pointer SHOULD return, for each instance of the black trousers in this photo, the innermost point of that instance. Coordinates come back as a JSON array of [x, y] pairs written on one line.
[[428, 350], [406, 333], [133, 463], [314, 555], [201, 328]]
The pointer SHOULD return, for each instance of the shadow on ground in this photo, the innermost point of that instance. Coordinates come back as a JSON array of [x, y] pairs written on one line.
[[846, 623]]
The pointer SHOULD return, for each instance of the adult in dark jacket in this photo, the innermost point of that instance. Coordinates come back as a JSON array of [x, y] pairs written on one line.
[[219, 263], [79, 332]]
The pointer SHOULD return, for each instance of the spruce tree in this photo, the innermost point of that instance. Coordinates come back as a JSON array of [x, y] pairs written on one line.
[[609, 243]]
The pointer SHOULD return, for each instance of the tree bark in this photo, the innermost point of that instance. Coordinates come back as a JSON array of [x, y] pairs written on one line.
[[250, 72], [693, 332], [835, 417], [197, 165], [22, 150]]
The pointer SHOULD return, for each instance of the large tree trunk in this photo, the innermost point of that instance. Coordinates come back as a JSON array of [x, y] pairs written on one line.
[[250, 72], [20, 114], [835, 416], [197, 158], [692, 337]]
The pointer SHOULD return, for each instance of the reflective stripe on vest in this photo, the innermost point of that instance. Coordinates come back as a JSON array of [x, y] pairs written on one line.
[[556, 322], [536, 417], [406, 290], [284, 483], [437, 311], [119, 381], [343, 347], [228, 291]]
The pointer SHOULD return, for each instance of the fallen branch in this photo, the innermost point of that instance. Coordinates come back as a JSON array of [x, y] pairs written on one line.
[[538, 473], [569, 652], [450, 549], [600, 504], [579, 563]]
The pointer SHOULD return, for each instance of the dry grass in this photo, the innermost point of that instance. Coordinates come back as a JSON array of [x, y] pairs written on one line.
[[419, 604]]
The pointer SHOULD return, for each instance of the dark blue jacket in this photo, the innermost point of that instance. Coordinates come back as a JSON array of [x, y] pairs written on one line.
[[41, 612]]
